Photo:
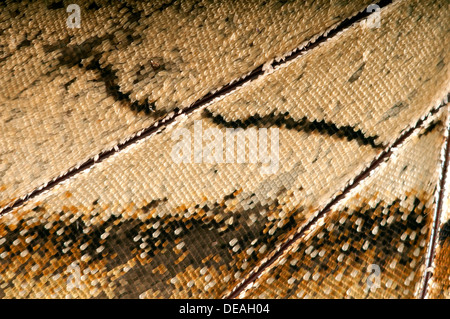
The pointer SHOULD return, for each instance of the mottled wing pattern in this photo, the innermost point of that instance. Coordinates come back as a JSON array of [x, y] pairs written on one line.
[[439, 283], [374, 243], [68, 94], [141, 224]]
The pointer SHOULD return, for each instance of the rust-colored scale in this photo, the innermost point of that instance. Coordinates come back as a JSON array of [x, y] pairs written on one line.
[[374, 243], [124, 256], [441, 274], [130, 254], [334, 262]]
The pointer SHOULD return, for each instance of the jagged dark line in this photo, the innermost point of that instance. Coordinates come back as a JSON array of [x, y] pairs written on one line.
[[73, 55], [199, 103], [109, 78], [285, 121], [384, 156]]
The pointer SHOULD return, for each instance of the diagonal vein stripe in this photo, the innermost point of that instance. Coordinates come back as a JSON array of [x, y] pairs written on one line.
[[68, 95]]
